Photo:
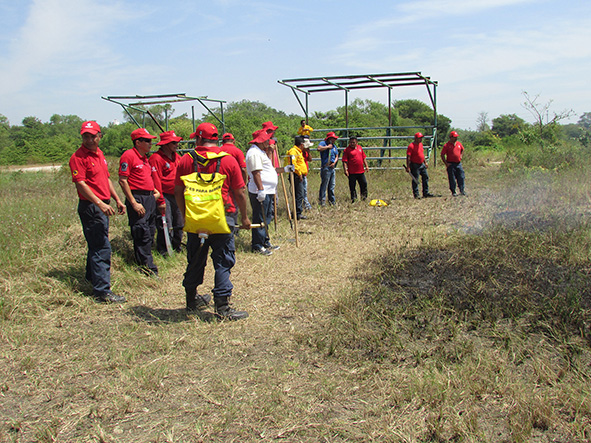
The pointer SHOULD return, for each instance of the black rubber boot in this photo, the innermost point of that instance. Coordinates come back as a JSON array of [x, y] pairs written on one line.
[[110, 297], [224, 311], [196, 301]]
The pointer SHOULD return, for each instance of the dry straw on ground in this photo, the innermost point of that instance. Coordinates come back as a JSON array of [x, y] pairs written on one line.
[[322, 356]]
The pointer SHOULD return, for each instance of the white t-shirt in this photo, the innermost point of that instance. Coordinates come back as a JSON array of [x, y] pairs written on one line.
[[257, 160]]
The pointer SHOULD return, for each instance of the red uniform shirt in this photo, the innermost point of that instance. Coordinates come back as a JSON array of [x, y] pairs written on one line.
[[415, 151], [91, 168], [307, 158], [137, 170], [354, 158], [453, 151], [165, 169], [235, 152], [228, 166]]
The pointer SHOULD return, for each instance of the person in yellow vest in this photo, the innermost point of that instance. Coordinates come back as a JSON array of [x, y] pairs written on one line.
[[295, 157], [305, 130]]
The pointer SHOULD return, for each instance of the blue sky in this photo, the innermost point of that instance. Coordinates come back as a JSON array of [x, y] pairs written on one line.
[[61, 56]]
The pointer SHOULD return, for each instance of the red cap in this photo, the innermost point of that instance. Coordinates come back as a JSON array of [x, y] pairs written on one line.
[[419, 135], [260, 136], [168, 137], [141, 133], [227, 136], [269, 127], [331, 135], [454, 134], [91, 127], [205, 130]]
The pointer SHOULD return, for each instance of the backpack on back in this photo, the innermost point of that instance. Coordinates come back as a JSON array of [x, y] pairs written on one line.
[[204, 205]]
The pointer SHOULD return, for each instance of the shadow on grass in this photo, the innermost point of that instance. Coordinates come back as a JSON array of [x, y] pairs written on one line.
[[158, 316], [74, 277], [123, 246]]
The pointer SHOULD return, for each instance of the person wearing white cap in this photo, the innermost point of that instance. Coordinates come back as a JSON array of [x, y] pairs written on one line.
[[307, 158]]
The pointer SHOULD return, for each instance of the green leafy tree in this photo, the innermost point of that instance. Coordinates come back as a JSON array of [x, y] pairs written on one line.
[[507, 124], [6, 144], [585, 120], [361, 113], [4, 123], [28, 141], [182, 126], [414, 112], [116, 138], [327, 120], [244, 117], [64, 124]]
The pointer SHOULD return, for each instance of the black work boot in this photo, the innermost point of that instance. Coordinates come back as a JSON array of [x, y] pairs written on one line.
[[109, 297], [196, 301], [224, 311]]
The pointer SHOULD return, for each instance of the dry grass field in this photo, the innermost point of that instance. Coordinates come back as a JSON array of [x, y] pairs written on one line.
[[441, 319]]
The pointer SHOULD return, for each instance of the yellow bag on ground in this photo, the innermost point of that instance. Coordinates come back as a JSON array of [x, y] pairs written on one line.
[[378, 202], [204, 204]]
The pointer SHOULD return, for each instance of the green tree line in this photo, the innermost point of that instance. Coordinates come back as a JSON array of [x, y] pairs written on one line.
[[34, 141]]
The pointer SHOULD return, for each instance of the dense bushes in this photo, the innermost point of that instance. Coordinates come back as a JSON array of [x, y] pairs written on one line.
[[548, 145]]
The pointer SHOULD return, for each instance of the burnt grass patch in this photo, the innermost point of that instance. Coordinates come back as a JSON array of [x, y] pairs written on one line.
[[537, 280]]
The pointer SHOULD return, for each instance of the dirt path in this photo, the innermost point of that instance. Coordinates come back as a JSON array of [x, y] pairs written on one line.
[[32, 168]]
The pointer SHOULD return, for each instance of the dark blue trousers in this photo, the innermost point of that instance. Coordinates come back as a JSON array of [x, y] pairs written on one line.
[[259, 235], [143, 230], [417, 169], [455, 172], [299, 194], [98, 260], [223, 256], [327, 184], [353, 180]]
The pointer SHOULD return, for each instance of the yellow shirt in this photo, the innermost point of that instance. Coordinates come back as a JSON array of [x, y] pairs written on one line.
[[295, 153], [305, 130]]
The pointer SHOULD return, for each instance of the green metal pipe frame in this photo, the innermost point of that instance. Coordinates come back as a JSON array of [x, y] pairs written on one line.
[[310, 85], [165, 99]]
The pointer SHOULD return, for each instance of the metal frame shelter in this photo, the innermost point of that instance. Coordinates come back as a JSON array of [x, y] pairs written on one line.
[[303, 88], [142, 100]]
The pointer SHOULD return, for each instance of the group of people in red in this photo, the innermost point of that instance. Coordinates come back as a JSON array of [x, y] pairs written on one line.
[[355, 165], [153, 187], [451, 155]]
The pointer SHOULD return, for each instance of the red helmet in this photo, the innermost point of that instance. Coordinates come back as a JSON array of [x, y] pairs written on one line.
[[419, 135]]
